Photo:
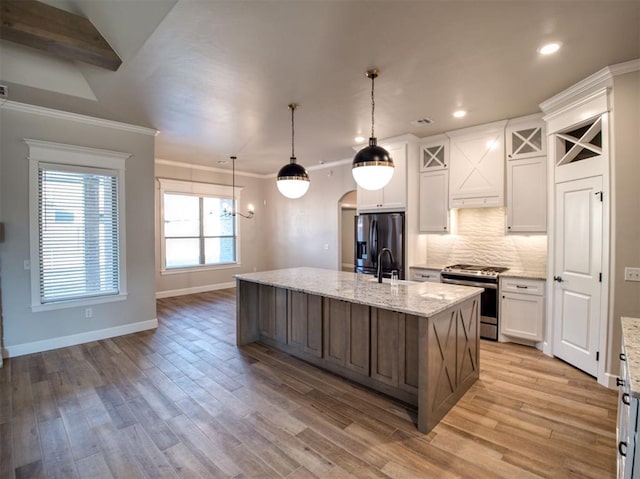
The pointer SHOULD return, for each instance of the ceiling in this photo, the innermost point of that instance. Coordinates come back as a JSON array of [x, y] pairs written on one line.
[[215, 77]]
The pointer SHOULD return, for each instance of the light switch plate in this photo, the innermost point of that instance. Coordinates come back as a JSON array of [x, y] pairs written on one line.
[[631, 274]]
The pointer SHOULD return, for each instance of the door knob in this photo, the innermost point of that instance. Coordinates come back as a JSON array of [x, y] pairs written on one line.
[[558, 279]]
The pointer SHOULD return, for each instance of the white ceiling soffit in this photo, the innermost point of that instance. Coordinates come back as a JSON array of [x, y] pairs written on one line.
[[37, 69], [215, 77]]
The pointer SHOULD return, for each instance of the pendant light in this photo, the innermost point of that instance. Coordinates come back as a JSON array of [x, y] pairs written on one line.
[[232, 211], [372, 167], [293, 179]]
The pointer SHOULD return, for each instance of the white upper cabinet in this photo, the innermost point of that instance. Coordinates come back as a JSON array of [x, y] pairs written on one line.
[[434, 184], [526, 175], [434, 153], [476, 169], [526, 138], [392, 197]]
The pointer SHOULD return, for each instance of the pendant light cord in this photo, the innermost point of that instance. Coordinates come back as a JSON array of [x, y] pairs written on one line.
[[373, 105], [293, 132], [233, 182]]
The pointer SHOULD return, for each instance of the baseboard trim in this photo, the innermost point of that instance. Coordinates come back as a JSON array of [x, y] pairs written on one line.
[[196, 289], [609, 381], [80, 338]]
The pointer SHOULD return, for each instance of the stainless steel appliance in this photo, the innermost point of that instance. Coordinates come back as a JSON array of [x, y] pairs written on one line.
[[483, 277], [375, 231]]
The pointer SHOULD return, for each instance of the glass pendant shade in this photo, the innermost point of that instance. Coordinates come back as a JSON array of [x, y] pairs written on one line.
[[372, 167], [293, 180]]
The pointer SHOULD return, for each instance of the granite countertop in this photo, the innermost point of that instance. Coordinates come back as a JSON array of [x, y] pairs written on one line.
[[631, 340], [519, 273], [420, 299]]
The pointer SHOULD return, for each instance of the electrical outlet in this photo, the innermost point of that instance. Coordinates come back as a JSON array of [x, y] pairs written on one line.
[[4, 91], [88, 313], [631, 274], [27, 264]]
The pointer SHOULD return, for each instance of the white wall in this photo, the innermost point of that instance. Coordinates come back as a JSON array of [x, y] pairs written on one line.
[[480, 239], [253, 240], [625, 164], [299, 229], [21, 326]]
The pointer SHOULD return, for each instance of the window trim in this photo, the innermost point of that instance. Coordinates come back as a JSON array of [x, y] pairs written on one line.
[[54, 154], [195, 188]]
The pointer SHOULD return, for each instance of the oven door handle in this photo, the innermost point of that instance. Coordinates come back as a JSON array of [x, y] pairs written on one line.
[[469, 283]]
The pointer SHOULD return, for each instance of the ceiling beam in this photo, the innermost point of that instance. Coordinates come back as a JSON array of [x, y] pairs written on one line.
[[38, 25]]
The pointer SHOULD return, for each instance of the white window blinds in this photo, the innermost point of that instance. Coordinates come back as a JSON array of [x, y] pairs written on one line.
[[78, 232]]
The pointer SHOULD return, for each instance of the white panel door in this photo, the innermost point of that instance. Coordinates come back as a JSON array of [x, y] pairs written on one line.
[[578, 260]]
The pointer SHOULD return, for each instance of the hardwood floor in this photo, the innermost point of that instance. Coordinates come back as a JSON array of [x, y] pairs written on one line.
[[183, 401]]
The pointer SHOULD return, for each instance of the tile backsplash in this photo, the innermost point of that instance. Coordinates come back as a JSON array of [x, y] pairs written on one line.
[[480, 238]]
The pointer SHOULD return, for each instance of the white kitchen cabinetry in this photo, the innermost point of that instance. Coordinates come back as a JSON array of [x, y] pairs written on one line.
[[476, 166], [392, 197], [527, 195], [628, 425], [526, 175], [434, 185], [425, 275], [522, 309], [526, 137]]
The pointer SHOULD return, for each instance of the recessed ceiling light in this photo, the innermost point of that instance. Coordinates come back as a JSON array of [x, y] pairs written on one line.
[[459, 113], [549, 48], [359, 139]]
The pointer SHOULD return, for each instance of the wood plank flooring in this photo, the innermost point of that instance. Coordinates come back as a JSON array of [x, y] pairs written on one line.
[[183, 401]]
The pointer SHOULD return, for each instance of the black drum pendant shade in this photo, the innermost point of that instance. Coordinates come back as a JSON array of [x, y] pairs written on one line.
[[372, 167], [293, 180]]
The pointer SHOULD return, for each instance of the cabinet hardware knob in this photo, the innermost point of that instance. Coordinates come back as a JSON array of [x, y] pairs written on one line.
[[508, 227], [619, 382], [558, 279], [445, 227], [626, 399], [623, 357], [503, 297], [620, 445]]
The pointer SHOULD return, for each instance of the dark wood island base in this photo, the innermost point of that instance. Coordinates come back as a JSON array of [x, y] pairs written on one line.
[[427, 361]]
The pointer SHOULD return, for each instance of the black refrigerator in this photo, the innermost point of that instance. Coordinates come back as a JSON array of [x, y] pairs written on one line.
[[375, 231]]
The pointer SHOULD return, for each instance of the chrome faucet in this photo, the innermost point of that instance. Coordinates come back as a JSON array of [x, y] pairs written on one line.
[[380, 262]]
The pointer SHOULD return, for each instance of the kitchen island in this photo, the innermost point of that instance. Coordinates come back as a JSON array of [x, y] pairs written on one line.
[[418, 342]]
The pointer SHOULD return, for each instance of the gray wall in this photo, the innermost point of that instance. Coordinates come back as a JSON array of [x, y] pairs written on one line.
[[625, 218], [20, 324], [298, 230], [253, 232]]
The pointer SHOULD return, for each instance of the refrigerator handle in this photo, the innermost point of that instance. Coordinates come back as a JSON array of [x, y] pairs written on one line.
[[374, 242]]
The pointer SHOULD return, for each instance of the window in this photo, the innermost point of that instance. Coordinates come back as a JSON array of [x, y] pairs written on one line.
[[76, 217], [195, 231]]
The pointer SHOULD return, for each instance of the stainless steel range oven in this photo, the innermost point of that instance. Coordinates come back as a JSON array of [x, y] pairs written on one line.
[[482, 277]]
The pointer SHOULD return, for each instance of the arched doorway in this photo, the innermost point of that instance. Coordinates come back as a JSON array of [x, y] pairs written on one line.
[[346, 230]]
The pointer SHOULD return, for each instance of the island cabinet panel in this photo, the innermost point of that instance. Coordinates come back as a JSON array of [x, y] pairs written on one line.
[[272, 313], [358, 345], [450, 342], [304, 328], [394, 349], [346, 334], [385, 332], [247, 310], [408, 353], [336, 314]]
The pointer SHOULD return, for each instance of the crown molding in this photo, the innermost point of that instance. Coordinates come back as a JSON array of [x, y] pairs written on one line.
[[599, 79], [87, 120]]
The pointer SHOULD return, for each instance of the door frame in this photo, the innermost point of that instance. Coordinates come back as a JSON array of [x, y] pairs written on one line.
[[589, 107], [344, 204]]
